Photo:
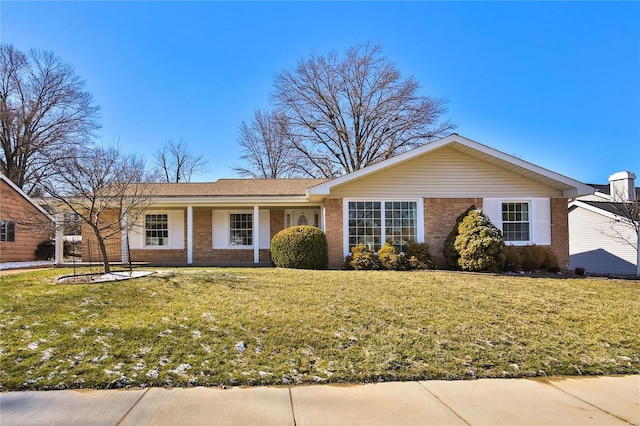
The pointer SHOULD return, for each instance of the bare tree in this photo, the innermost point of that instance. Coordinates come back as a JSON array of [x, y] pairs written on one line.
[[350, 112], [625, 226], [104, 187], [176, 162], [44, 109], [268, 151]]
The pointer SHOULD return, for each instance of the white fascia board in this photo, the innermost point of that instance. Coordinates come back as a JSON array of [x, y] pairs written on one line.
[[577, 188], [25, 196]]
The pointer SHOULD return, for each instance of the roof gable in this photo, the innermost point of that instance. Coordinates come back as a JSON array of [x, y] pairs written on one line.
[[24, 195], [569, 187]]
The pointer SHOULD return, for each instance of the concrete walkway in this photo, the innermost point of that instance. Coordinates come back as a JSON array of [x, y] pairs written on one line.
[[609, 400]]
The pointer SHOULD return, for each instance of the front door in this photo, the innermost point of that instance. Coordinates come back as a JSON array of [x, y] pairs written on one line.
[[302, 217]]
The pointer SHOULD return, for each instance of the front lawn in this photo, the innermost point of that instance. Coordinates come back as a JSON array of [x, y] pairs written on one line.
[[229, 326]]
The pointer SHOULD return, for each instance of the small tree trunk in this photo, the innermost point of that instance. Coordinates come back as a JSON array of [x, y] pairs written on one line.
[[103, 250]]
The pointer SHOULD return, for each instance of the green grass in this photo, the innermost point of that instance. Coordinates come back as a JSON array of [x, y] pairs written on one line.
[[182, 327]]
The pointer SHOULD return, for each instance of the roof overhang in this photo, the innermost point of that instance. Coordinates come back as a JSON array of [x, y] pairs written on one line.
[[229, 201], [569, 187]]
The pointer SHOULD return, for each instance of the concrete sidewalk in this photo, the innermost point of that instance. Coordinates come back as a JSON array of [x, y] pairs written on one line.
[[609, 400]]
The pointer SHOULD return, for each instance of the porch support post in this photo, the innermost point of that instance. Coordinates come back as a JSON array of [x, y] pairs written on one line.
[[189, 235], [256, 234], [125, 240], [59, 241]]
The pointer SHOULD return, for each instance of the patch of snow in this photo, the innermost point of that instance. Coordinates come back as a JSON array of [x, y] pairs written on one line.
[[181, 370], [23, 265], [46, 354]]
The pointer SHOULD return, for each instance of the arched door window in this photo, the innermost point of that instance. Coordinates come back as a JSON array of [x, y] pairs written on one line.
[[302, 220]]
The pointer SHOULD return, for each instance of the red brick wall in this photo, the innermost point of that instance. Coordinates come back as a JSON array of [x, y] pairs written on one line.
[[333, 225], [31, 226], [205, 254], [277, 222], [560, 230], [439, 218], [91, 249], [160, 256]]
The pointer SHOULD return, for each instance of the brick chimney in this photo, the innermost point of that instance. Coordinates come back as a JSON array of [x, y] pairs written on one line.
[[622, 186]]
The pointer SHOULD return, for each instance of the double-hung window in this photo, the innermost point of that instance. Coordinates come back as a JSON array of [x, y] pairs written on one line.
[[7, 231], [156, 229], [515, 221], [373, 222], [241, 229]]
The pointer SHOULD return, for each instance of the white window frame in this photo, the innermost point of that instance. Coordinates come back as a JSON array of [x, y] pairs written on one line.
[[539, 218], [228, 230], [345, 217], [144, 231], [9, 229], [529, 221]]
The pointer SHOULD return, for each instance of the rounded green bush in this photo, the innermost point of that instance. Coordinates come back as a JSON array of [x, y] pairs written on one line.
[[300, 247], [480, 244]]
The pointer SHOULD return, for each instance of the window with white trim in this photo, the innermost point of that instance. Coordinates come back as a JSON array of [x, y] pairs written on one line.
[[365, 223], [241, 229], [516, 221], [401, 223], [156, 229], [7, 231]]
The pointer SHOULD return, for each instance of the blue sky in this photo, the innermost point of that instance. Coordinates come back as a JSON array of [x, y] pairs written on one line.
[[556, 84]]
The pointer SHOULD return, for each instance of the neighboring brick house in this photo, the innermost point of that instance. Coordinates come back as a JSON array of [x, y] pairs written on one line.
[[23, 224], [415, 196]]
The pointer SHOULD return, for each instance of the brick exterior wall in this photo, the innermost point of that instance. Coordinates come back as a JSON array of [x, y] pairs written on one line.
[[205, 254], [333, 224], [90, 247], [560, 230], [277, 222], [160, 256], [31, 226], [439, 217]]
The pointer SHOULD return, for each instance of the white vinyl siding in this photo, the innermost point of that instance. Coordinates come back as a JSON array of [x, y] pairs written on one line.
[[176, 235], [221, 234], [539, 218], [593, 244], [444, 173]]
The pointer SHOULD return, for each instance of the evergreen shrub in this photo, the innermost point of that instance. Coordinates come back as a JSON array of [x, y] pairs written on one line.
[[451, 255], [480, 244], [300, 247], [420, 256], [363, 259], [391, 260]]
